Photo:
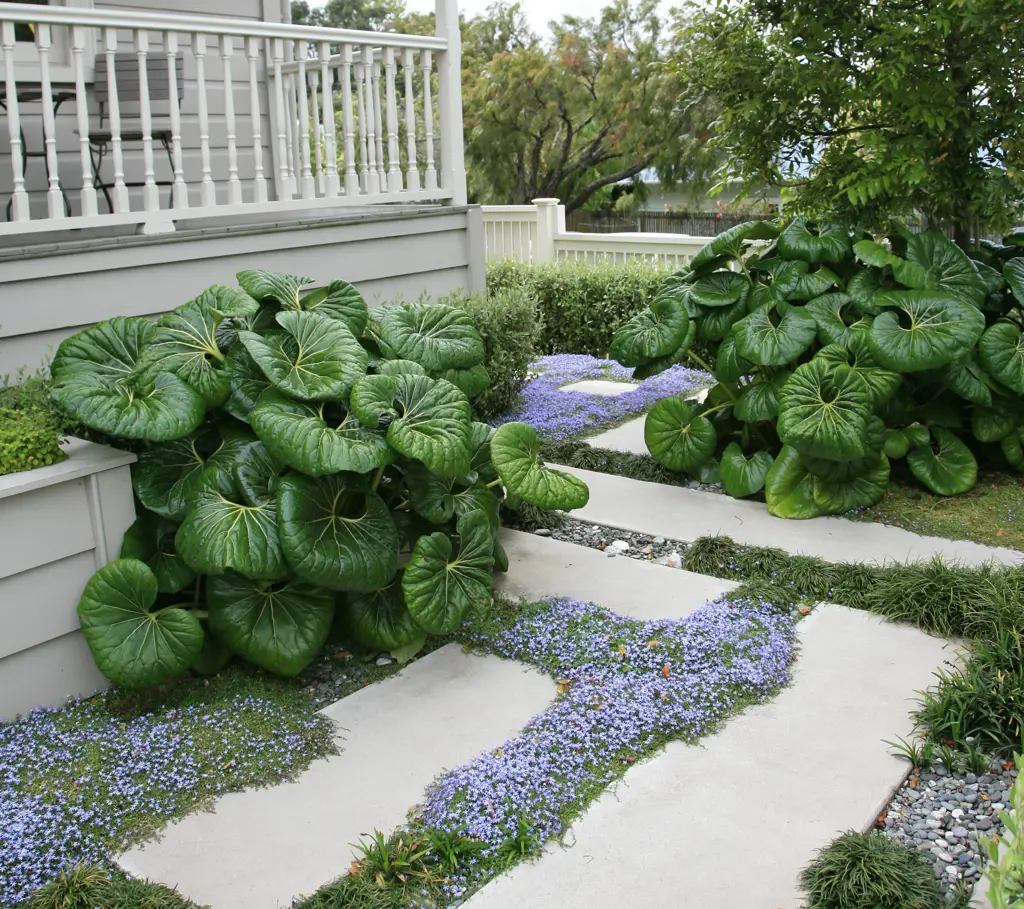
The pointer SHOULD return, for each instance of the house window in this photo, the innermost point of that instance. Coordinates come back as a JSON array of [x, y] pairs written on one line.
[[26, 56], [23, 31]]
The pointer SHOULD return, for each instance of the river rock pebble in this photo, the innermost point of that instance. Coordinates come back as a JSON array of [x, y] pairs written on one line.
[[942, 814], [615, 540]]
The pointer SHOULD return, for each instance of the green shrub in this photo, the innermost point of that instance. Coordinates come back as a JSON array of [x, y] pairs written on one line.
[[509, 323], [836, 354], [1005, 869], [869, 871], [297, 448], [30, 434], [581, 305]]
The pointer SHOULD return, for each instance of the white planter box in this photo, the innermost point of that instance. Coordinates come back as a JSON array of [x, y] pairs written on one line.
[[57, 526]]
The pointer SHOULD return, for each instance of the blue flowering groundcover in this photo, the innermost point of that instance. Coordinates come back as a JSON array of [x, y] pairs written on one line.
[[627, 687], [78, 782], [562, 415]]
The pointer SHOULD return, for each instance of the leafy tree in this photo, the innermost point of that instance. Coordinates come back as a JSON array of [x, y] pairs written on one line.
[[868, 109], [565, 118], [366, 15]]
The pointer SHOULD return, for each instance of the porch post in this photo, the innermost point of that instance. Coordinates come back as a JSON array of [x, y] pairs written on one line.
[[449, 99], [550, 223]]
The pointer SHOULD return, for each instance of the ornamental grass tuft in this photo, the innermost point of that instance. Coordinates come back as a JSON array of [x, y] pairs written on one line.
[[869, 871]]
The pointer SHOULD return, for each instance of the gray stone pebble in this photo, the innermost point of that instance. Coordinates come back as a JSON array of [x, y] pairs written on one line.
[[942, 814], [641, 546]]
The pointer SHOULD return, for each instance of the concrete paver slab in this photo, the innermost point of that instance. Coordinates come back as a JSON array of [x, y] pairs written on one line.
[[780, 780], [627, 437], [542, 567], [600, 387], [686, 514], [260, 848]]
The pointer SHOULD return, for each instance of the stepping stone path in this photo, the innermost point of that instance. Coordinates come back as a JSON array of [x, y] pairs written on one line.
[[628, 437], [778, 781], [600, 387]]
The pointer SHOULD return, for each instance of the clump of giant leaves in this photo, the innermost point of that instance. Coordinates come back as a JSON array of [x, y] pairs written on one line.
[[300, 462], [838, 356]]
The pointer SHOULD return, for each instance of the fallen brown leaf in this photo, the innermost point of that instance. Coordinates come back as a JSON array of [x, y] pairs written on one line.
[[1000, 532], [665, 671]]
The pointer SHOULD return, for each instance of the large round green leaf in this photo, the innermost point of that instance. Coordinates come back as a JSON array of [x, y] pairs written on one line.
[[729, 365], [279, 627], [247, 382], [837, 317], [1013, 448], [856, 353], [316, 358], [731, 243], [778, 275], [867, 488], [298, 434], [515, 454], [436, 336], [861, 288], [652, 333], [949, 471], [815, 241], [993, 424], [967, 377], [480, 452], [824, 411], [155, 409], [109, 350], [660, 364], [336, 535], [896, 444], [339, 300], [1002, 353], [871, 253], [400, 368], [813, 283], [789, 487], [678, 436], [775, 336], [1013, 274], [185, 343], [759, 401], [380, 619], [151, 540], [471, 382], [272, 285], [928, 330], [723, 288], [742, 477], [168, 478], [427, 419], [942, 266], [440, 588], [218, 534], [715, 324], [133, 646]]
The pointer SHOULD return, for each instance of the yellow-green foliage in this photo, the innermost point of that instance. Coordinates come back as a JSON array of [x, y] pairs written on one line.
[[28, 439]]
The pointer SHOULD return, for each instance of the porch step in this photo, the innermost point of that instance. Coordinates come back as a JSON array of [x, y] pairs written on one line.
[[686, 514], [731, 821]]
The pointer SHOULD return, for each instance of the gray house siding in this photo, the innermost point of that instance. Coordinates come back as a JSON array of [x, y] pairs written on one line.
[[68, 145], [48, 293]]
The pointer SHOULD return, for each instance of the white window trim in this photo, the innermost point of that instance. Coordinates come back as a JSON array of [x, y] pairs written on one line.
[[62, 72]]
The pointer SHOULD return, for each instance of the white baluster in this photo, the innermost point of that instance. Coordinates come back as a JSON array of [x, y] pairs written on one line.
[[150, 192], [88, 193], [19, 198], [378, 125], [227, 50], [259, 180], [412, 173], [289, 129], [366, 112], [394, 171], [180, 191], [284, 190], [429, 173], [301, 87], [121, 201], [209, 191], [318, 162], [351, 177], [331, 184], [54, 198]]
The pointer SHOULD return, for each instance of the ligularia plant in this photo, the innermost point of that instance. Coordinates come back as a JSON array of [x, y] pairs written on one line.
[[836, 354], [299, 458]]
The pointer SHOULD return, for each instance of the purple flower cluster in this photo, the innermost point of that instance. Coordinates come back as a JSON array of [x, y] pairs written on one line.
[[627, 686], [562, 415], [80, 781]]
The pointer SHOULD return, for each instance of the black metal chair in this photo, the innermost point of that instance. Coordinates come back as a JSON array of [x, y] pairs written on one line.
[[129, 102]]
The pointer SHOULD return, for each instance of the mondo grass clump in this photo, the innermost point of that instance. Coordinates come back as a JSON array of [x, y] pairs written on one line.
[[869, 871]]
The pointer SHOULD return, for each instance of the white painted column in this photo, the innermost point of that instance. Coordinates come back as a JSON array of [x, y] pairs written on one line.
[[394, 171], [227, 50], [54, 198], [150, 192], [180, 190], [547, 229], [88, 194], [252, 47], [429, 172], [449, 97], [209, 188], [351, 176], [122, 203], [412, 173], [332, 186]]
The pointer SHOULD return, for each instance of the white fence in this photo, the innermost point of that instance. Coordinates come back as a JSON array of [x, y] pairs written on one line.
[[299, 117], [536, 233]]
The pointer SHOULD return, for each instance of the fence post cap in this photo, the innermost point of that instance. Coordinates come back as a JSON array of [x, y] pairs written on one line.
[[545, 201]]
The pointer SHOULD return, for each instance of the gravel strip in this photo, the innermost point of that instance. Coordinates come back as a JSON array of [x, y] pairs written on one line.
[[942, 814], [617, 542]]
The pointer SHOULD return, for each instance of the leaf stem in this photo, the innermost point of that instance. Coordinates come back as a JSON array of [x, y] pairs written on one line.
[[700, 362], [496, 482], [195, 590], [718, 407], [377, 478]]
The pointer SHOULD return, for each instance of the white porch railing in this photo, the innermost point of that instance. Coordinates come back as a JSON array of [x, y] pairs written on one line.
[[536, 233], [187, 116]]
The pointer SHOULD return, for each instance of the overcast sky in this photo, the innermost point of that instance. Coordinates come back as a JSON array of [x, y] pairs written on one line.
[[538, 12]]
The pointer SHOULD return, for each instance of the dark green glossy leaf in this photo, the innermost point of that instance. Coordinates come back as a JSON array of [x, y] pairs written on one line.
[[652, 333], [729, 365], [339, 300], [436, 336], [867, 488], [381, 621], [775, 337], [185, 343], [896, 444], [515, 453], [928, 331], [742, 477], [789, 487], [272, 285], [471, 382], [1002, 353], [247, 382], [731, 243], [856, 353], [993, 424], [715, 324], [759, 401], [837, 317], [723, 288], [151, 540], [815, 241], [1013, 448], [678, 436], [109, 350], [947, 267], [951, 470]]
